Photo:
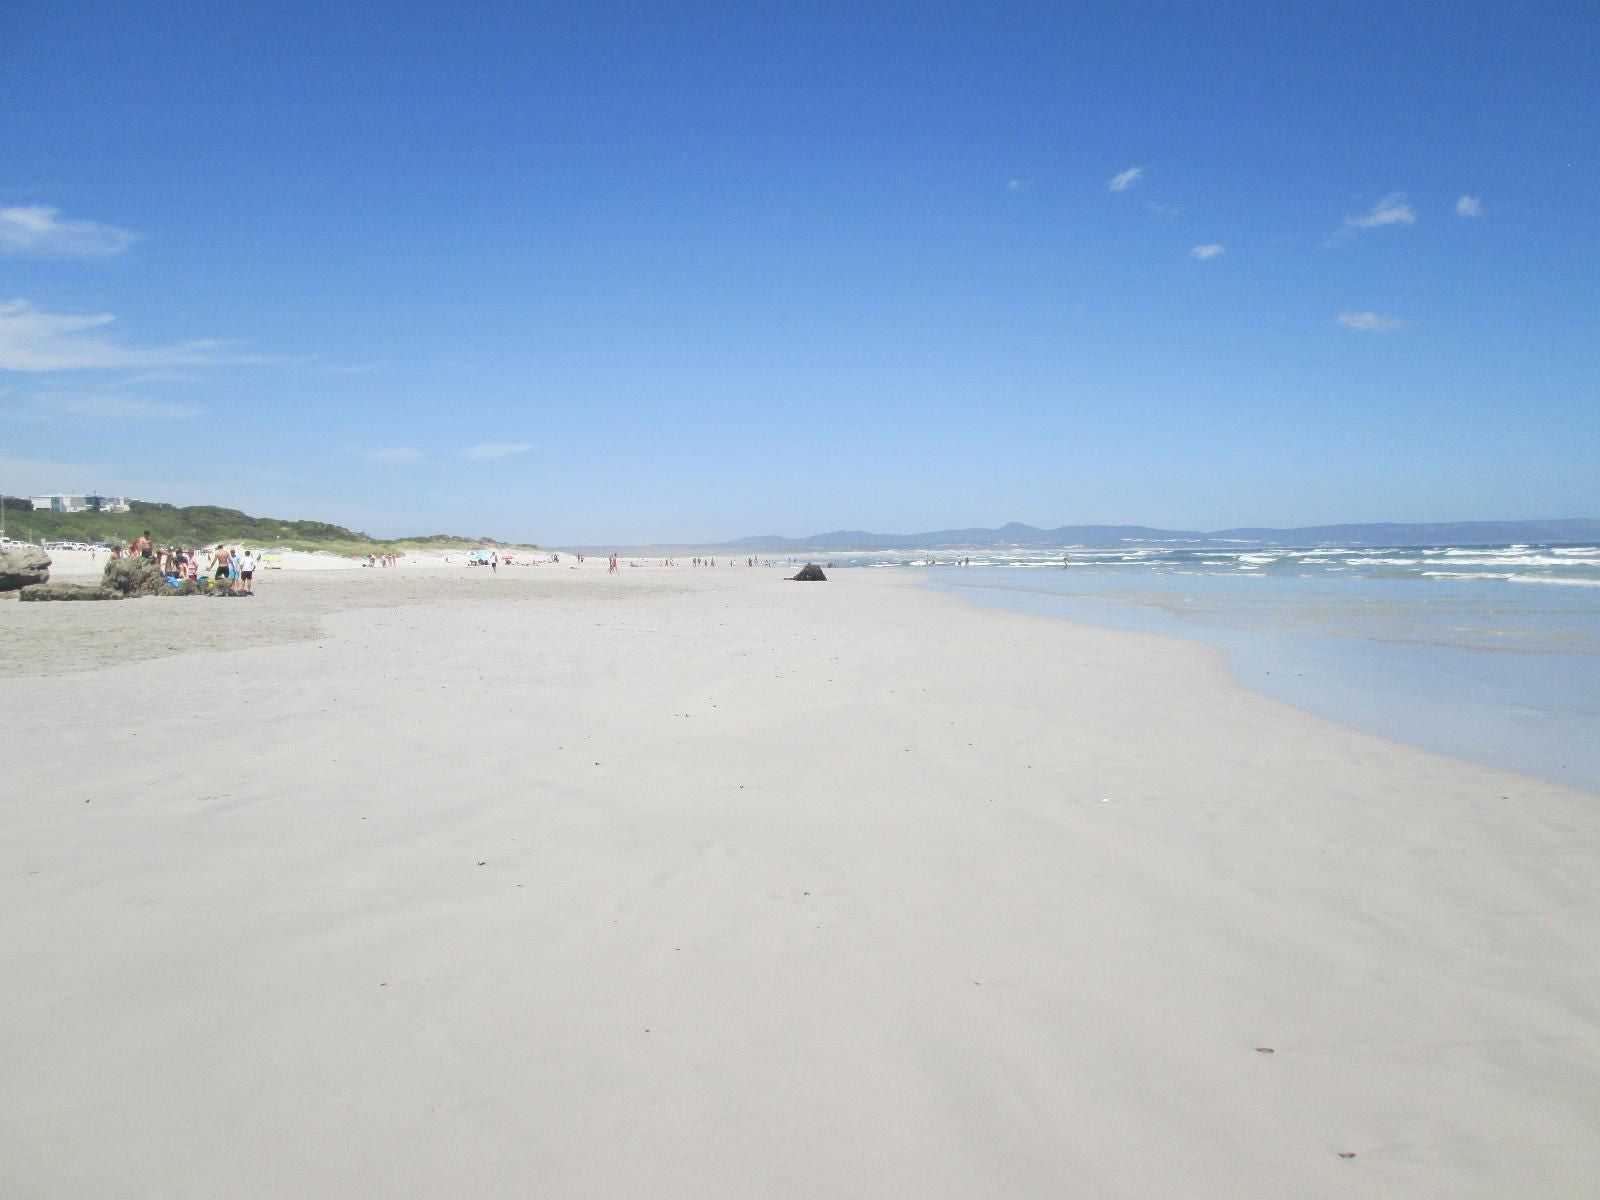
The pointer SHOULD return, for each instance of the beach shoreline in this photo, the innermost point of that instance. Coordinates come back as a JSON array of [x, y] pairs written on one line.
[[702, 883], [1452, 669]]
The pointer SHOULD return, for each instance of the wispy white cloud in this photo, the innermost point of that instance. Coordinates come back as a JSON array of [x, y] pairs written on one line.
[[40, 231], [1469, 206], [31, 340], [1124, 180], [89, 406], [1016, 185], [1210, 250], [1370, 322], [392, 454], [485, 450], [1165, 210], [1391, 210]]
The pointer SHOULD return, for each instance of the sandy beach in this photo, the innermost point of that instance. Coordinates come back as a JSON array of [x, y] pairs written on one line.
[[429, 881]]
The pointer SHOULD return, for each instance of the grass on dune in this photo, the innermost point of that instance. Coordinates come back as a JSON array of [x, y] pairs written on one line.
[[205, 525]]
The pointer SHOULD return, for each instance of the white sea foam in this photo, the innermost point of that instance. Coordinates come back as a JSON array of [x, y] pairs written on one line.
[[1529, 563], [1588, 583], [1491, 559], [1475, 551]]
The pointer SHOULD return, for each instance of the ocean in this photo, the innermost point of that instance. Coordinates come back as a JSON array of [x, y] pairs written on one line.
[[1486, 653]]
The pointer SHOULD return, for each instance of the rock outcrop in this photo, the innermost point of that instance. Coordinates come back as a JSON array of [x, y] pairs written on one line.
[[810, 573], [190, 588], [66, 591], [124, 579], [135, 577], [23, 567]]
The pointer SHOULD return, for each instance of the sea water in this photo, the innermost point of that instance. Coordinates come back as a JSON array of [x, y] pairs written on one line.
[[1490, 654]]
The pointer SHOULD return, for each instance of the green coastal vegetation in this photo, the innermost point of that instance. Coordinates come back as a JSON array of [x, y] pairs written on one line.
[[206, 524]]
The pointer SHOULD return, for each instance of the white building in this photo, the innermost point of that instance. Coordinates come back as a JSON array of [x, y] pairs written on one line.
[[79, 502], [61, 504]]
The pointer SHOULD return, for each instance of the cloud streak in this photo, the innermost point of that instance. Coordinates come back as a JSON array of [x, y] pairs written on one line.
[[1469, 206], [1370, 322], [1210, 250], [31, 340], [1391, 210], [84, 407], [37, 231], [1124, 180], [488, 450]]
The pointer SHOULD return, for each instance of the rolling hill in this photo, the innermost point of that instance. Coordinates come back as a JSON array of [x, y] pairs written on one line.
[[202, 525]]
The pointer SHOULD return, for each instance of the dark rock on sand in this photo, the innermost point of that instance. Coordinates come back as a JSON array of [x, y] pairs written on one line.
[[125, 577], [23, 567], [135, 577], [66, 591], [809, 573], [190, 587]]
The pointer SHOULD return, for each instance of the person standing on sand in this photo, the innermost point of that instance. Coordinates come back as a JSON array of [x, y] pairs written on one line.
[[247, 572], [494, 562], [611, 565]]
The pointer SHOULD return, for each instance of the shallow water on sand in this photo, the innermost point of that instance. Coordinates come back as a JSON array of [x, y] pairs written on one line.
[[1479, 669]]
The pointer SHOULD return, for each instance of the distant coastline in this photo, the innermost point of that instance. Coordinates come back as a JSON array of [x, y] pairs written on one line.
[[1558, 531]]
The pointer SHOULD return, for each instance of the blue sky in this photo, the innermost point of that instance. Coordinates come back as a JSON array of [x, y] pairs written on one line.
[[601, 272]]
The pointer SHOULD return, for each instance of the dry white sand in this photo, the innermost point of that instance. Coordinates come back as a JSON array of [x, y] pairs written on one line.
[[703, 884]]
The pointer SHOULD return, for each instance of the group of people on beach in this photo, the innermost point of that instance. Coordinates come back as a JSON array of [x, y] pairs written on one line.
[[232, 567]]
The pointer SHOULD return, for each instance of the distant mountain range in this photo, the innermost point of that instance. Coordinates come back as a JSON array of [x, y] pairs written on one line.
[[1455, 533]]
